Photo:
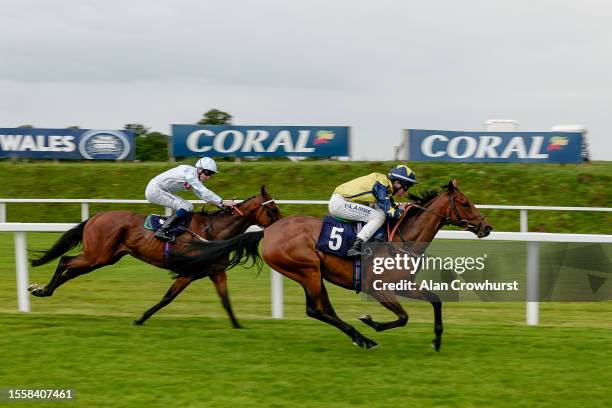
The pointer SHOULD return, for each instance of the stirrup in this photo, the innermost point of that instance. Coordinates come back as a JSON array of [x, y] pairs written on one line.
[[163, 235], [355, 249]]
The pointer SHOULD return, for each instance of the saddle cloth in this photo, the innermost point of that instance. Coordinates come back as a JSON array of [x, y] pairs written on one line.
[[155, 221], [337, 236]]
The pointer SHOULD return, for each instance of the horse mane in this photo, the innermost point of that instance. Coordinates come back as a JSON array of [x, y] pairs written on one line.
[[421, 199], [425, 197]]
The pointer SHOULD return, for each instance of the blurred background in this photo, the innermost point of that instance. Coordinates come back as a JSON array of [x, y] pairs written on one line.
[[508, 98]]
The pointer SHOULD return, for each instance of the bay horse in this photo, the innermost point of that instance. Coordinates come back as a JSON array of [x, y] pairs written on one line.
[[289, 248], [109, 236]]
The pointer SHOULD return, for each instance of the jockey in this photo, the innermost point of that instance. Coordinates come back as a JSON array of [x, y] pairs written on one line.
[[354, 201], [183, 177]]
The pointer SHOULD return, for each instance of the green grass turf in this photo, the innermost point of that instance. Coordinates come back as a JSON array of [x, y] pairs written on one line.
[[187, 354], [484, 183]]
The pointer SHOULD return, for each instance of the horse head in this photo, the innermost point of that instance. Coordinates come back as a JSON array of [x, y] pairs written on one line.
[[462, 213], [449, 207], [260, 209]]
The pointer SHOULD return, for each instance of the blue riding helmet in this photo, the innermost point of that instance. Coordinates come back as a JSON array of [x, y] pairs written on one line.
[[404, 175]]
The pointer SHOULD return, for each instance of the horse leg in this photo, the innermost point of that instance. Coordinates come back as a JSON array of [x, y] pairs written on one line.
[[69, 267], [220, 281], [437, 307], [388, 300], [319, 307], [177, 287], [36, 290]]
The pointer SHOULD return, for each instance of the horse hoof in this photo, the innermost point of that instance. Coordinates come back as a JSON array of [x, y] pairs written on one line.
[[435, 344], [36, 290], [136, 323], [358, 342], [365, 318], [371, 344]]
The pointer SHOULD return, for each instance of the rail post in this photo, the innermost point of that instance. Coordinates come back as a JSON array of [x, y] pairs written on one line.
[[23, 299], [84, 211], [276, 293], [533, 279], [524, 221]]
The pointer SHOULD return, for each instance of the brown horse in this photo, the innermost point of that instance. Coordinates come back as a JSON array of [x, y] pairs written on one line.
[[289, 248], [109, 236]]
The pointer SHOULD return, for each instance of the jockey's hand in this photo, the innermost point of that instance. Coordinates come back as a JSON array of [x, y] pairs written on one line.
[[402, 206], [228, 203]]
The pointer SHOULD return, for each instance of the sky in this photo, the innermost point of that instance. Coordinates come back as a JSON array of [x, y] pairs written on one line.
[[377, 66]]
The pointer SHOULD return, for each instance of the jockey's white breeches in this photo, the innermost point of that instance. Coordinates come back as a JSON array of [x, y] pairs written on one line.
[[156, 195], [373, 217]]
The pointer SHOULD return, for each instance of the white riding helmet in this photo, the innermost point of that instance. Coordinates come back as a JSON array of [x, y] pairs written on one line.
[[206, 163]]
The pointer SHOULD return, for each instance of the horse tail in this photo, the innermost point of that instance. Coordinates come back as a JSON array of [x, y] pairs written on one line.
[[69, 240], [201, 256]]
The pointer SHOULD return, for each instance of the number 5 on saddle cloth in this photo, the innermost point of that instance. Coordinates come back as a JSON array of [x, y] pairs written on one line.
[[337, 235]]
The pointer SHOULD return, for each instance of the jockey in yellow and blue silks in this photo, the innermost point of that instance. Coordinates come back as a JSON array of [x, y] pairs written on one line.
[[370, 199]]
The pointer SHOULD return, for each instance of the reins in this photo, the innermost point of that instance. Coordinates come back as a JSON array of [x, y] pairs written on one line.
[[460, 223], [213, 219]]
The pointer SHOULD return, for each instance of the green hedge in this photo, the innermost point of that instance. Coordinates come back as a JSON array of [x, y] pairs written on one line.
[[511, 184]]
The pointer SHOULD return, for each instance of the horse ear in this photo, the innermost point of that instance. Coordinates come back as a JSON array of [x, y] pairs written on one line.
[[264, 193], [451, 185]]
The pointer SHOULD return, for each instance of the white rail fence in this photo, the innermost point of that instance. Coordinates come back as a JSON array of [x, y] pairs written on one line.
[[533, 240], [523, 209]]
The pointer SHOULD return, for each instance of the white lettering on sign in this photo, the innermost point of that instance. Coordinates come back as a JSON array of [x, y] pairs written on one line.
[[236, 140], [487, 146], [463, 147], [536, 148], [253, 141], [194, 138], [38, 143], [427, 145], [469, 150]]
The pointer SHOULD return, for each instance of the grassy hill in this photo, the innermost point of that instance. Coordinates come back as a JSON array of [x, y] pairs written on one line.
[[511, 184]]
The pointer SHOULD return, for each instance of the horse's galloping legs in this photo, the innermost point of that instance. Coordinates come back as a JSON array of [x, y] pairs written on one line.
[[388, 300], [177, 287], [319, 307], [69, 267], [437, 307], [220, 281]]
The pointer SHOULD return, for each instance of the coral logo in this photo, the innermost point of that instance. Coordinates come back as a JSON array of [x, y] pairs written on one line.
[[557, 143], [323, 136]]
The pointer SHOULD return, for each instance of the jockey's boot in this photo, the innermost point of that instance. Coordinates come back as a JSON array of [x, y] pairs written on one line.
[[355, 249], [162, 232]]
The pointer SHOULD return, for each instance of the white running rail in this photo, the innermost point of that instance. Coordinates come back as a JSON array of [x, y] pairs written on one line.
[[532, 267], [523, 209]]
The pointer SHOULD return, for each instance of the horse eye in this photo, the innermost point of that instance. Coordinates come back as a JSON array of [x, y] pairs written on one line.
[[466, 205]]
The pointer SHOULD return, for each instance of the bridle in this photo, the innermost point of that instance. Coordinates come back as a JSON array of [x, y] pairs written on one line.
[[459, 221], [267, 205], [211, 219]]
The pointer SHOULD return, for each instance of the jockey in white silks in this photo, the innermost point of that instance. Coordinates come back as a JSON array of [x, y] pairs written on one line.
[[181, 178], [370, 199]]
